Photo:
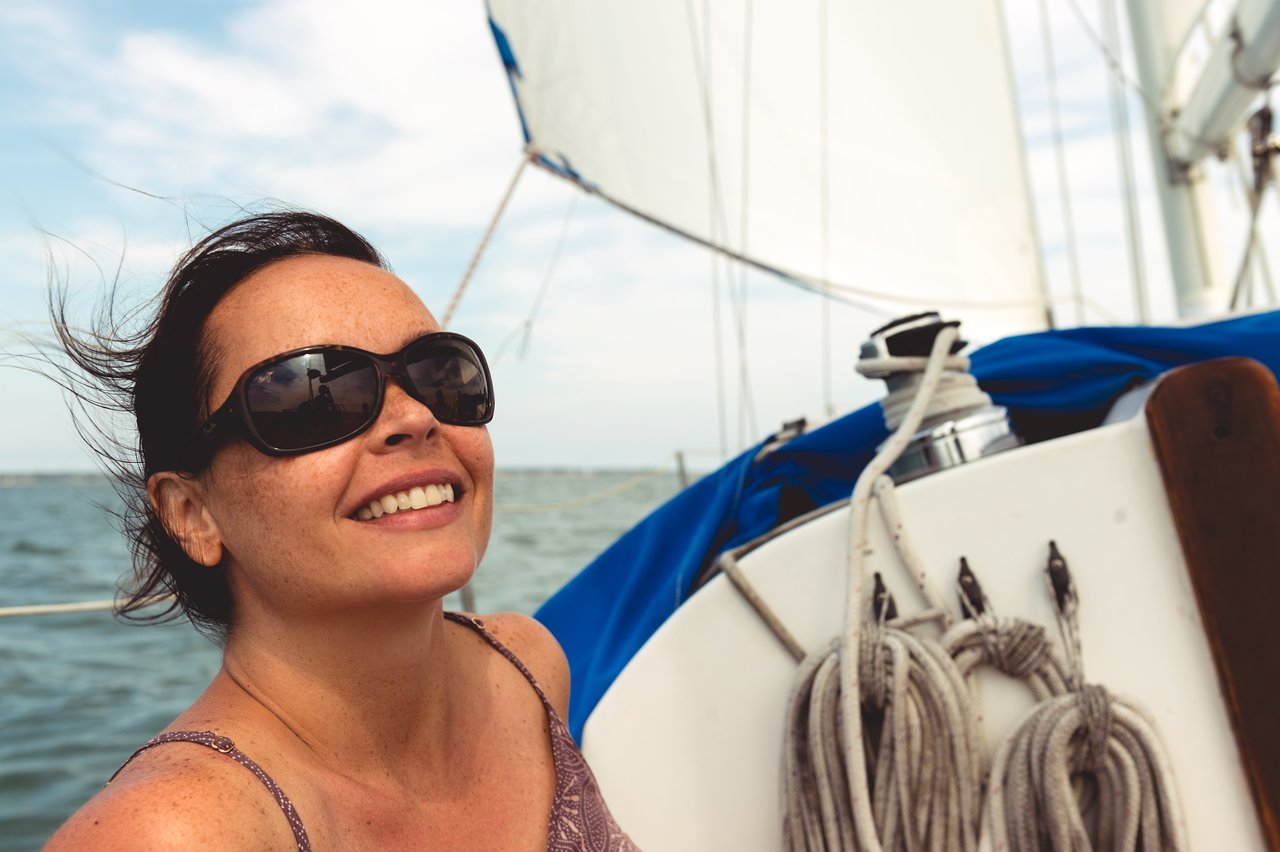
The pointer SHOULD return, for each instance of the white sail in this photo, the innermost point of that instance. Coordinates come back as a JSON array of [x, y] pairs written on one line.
[[810, 137]]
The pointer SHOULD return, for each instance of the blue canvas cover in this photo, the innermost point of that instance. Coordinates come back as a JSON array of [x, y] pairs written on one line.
[[1053, 383]]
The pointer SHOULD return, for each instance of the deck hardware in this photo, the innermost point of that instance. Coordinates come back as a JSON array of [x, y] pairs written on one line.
[[1064, 590], [973, 602], [882, 605]]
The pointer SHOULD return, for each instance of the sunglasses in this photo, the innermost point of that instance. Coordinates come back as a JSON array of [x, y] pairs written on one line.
[[311, 398]]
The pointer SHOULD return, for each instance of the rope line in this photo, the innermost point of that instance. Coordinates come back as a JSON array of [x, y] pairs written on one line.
[[1150, 103], [484, 243], [822, 772], [109, 604], [524, 330], [587, 500], [1060, 161], [1124, 153], [883, 742], [77, 606], [809, 283]]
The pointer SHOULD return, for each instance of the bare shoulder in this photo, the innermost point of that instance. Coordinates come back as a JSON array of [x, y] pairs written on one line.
[[178, 796], [538, 649]]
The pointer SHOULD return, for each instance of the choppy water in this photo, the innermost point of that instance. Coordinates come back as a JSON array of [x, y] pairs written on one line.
[[78, 692]]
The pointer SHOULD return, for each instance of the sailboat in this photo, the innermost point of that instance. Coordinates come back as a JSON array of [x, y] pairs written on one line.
[[1110, 491]]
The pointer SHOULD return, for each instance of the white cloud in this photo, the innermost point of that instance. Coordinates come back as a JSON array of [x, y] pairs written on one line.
[[396, 117], [386, 110]]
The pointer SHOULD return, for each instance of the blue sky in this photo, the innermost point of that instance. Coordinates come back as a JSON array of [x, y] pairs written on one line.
[[405, 131], [126, 128]]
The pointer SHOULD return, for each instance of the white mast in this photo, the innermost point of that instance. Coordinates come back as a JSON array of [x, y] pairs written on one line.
[[1183, 134]]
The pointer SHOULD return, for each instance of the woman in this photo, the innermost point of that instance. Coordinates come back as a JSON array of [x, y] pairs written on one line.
[[318, 476]]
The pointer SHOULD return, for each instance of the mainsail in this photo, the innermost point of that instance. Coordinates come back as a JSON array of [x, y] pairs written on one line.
[[868, 150]]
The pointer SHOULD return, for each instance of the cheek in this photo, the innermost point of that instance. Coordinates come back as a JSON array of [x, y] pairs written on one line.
[[258, 501], [481, 460], [475, 451]]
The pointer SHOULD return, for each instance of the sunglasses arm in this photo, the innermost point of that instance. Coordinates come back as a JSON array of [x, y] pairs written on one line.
[[204, 438]]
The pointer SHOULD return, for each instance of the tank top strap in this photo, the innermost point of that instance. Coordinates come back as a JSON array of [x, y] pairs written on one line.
[[224, 745], [478, 626], [579, 820]]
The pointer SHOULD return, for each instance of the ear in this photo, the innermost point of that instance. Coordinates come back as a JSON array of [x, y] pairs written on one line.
[[180, 504]]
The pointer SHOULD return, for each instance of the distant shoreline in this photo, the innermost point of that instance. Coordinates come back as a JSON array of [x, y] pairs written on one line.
[[88, 477]]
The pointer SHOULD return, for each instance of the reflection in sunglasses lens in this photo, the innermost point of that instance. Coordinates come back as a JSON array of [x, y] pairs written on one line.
[[450, 382], [312, 398]]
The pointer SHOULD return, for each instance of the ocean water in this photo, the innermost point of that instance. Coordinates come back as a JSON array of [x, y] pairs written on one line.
[[80, 691]]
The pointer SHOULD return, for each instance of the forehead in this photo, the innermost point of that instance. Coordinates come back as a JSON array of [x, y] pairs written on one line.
[[304, 301]]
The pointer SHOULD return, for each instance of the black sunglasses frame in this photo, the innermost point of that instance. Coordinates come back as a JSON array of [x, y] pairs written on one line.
[[233, 417]]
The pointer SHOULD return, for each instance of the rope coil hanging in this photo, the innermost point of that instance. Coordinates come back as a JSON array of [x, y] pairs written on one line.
[[1079, 750], [834, 793], [883, 748]]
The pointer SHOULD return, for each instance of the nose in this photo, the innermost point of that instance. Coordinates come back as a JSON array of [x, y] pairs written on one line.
[[403, 419]]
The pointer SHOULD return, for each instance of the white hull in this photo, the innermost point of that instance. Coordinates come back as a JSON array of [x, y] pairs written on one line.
[[687, 743]]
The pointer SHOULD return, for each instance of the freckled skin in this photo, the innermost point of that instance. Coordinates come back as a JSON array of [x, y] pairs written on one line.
[[285, 520], [388, 726]]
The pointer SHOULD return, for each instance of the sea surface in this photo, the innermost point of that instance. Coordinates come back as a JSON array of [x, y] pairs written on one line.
[[80, 691]]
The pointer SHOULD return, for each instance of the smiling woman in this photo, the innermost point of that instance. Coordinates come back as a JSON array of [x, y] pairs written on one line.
[[312, 476]]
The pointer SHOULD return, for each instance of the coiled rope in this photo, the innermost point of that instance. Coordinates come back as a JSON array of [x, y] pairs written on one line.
[[956, 388], [914, 781], [1078, 733], [1031, 802], [924, 770]]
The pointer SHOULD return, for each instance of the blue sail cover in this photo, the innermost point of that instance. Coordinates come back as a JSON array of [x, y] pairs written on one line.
[[1052, 382]]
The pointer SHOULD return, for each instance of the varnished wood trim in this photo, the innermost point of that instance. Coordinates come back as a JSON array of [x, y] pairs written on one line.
[[1216, 430]]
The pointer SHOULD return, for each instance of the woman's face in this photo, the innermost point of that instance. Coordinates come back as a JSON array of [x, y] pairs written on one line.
[[289, 528]]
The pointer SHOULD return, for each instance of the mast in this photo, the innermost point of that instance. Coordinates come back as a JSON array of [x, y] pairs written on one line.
[[1181, 135], [1199, 277]]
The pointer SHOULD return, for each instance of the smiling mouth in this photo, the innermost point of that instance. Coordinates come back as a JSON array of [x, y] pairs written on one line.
[[418, 497]]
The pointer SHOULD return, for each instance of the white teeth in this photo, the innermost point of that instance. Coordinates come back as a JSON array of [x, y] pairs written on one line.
[[418, 497]]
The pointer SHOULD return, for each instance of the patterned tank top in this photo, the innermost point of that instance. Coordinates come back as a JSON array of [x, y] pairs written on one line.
[[579, 822]]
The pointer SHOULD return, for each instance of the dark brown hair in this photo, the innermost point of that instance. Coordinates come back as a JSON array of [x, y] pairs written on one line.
[[158, 370]]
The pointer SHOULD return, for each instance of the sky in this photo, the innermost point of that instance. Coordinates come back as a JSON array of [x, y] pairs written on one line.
[[128, 129]]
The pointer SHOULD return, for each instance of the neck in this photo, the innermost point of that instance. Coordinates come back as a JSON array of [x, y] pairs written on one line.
[[370, 695]]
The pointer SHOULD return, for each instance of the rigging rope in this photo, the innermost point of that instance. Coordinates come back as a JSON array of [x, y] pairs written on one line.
[[1060, 159], [586, 500], [1150, 103], [484, 242], [525, 329], [1263, 148], [1263, 265], [824, 201], [747, 427], [577, 502], [717, 227], [77, 606], [1120, 119]]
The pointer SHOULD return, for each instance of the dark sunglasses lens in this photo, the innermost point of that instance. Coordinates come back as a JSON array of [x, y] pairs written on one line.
[[450, 378], [312, 399]]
